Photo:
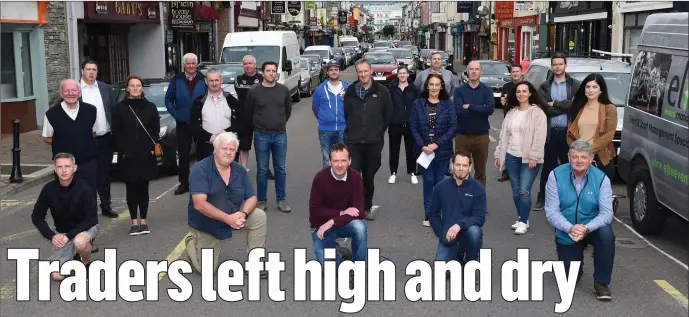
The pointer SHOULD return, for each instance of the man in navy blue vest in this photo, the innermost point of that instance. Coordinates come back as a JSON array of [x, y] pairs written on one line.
[[70, 127], [578, 204], [182, 91], [100, 95]]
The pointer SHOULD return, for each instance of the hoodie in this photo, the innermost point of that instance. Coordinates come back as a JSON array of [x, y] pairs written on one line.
[[328, 107]]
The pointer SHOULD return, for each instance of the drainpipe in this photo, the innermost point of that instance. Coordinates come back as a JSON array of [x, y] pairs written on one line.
[[232, 22], [73, 41]]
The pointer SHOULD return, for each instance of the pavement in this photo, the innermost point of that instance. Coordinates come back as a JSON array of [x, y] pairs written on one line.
[[649, 278], [35, 159]]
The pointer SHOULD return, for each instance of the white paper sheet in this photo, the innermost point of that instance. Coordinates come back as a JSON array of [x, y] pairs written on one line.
[[425, 159]]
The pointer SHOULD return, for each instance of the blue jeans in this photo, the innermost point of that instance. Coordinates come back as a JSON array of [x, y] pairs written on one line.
[[328, 139], [603, 241], [265, 145], [432, 176], [464, 248], [522, 178], [355, 229]]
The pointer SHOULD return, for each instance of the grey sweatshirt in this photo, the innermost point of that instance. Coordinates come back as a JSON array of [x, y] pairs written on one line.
[[270, 108], [447, 78]]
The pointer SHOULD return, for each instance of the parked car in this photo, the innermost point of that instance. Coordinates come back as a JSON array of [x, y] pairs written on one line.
[[617, 75], [318, 61], [383, 66], [495, 74], [229, 72], [350, 54], [445, 60], [340, 56], [405, 56], [310, 77], [154, 91]]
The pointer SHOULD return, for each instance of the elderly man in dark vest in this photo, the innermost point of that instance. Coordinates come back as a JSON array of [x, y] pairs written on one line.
[[70, 127]]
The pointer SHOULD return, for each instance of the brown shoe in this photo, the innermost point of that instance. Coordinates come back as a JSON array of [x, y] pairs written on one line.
[[504, 178]]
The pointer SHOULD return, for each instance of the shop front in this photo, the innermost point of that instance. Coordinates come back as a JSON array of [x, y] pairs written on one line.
[[124, 38], [191, 28], [472, 45], [582, 26], [23, 83], [630, 22]]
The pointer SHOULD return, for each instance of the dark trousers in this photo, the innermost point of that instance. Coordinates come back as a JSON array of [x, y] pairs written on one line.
[[396, 133], [183, 149], [88, 171], [603, 241], [137, 198], [204, 150], [105, 146], [366, 159], [556, 150]]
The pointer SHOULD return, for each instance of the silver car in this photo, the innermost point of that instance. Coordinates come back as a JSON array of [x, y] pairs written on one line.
[[404, 55], [310, 77]]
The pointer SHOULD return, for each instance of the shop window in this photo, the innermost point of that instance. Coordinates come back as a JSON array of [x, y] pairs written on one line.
[[16, 79]]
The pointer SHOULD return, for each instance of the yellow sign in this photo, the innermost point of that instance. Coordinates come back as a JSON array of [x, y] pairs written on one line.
[[130, 8], [355, 13]]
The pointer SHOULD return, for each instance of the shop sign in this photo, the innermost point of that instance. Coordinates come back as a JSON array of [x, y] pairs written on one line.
[[309, 5], [342, 17], [182, 15], [527, 20], [465, 6], [566, 8], [122, 11], [504, 10], [313, 21], [277, 7], [294, 7]]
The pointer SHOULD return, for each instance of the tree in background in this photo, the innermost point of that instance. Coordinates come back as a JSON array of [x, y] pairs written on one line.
[[389, 31]]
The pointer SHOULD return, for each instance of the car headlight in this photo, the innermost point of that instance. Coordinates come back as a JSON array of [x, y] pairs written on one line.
[[394, 71], [162, 132]]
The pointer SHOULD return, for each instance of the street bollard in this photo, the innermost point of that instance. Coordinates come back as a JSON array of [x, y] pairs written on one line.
[[16, 176]]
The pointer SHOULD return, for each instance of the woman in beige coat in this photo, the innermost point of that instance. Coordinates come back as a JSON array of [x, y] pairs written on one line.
[[520, 148]]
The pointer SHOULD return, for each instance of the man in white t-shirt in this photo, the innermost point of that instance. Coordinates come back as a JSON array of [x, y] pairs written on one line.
[[328, 107]]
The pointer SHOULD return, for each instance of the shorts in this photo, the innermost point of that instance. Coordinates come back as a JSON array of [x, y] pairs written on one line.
[[68, 252]]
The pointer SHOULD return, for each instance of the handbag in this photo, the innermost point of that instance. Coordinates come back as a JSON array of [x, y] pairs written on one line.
[[157, 148]]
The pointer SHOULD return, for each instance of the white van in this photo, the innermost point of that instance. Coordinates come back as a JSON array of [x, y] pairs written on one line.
[[324, 51], [281, 47], [654, 154], [350, 41]]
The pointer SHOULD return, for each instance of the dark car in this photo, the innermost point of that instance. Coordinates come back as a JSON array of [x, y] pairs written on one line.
[[154, 91], [229, 72], [495, 74], [383, 66]]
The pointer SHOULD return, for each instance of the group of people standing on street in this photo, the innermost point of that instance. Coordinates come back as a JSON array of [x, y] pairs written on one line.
[[563, 125]]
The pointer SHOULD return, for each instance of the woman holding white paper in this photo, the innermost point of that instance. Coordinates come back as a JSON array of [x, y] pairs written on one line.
[[433, 123], [521, 146]]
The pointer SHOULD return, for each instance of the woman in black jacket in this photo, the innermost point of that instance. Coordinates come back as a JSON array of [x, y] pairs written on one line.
[[136, 148], [403, 95]]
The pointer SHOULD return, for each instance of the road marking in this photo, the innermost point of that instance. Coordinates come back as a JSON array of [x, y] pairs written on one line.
[[492, 127], [652, 245], [19, 235], [174, 255], [167, 191], [7, 291], [492, 139], [673, 292], [16, 203]]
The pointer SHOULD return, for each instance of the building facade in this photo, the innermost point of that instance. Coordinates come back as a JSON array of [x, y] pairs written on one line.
[[581, 26], [23, 79], [628, 21]]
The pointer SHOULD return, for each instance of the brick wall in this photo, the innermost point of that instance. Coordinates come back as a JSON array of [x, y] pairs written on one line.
[[223, 28], [56, 48]]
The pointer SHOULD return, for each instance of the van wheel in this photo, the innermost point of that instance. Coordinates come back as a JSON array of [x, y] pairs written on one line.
[[296, 97], [648, 216]]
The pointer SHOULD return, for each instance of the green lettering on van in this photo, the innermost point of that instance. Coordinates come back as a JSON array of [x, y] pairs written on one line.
[[669, 113]]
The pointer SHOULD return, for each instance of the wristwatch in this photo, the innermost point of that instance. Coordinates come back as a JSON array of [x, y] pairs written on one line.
[[245, 214]]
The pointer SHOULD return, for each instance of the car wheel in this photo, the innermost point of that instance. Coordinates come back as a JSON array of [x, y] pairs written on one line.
[[648, 216], [297, 97]]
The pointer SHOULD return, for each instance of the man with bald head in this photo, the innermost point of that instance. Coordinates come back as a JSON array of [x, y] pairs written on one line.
[[474, 103], [70, 127]]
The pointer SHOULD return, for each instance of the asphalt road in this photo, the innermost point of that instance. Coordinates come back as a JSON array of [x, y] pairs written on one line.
[[645, 280]]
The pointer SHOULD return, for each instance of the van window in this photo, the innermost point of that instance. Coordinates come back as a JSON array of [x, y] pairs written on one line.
[[349, 43], [324, 54], [536, 75], [262, 54]]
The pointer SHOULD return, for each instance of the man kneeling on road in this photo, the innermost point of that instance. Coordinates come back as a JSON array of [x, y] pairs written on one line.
[[457, 213], [222, 200], [72, 205], [336, 206], [579, 205]]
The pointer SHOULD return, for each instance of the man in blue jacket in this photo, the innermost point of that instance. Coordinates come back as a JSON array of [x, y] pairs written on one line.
[[474, 103], [328, 107], [578, 204], [457, 213], [182, 91]]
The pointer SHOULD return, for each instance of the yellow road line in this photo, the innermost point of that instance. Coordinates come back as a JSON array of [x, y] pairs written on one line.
[[677, 295], [492, 139], [174, 255], [8, 290]]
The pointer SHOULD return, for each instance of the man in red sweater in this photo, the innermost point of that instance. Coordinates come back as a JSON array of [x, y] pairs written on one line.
[[336, 206]]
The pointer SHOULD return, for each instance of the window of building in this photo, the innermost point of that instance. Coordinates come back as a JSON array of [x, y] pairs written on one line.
[[16, 79]]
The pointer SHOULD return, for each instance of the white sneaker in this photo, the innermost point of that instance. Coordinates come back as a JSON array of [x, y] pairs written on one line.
[[521, 228], [414, 179], [426, 223], [516, 224], [392, 179]]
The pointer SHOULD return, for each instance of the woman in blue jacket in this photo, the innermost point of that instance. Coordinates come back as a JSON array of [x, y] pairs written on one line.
[[433, 124], [403, 95]]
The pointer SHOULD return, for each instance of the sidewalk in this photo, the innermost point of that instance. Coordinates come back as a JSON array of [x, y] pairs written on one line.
[[36, 161]]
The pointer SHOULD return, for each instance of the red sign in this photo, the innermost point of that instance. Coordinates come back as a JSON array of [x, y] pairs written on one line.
[[122, 11], [351, 21], [527, 20], [504, 10]]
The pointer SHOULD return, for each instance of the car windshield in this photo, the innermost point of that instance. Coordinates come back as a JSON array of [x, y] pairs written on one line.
[[228, 72], [349, 43], [402, 54], [304, 64], [324, 54], [261, 53], [154, 93], [413, 48], [617, 83], [376, 59], [495, 69], [381, 44]]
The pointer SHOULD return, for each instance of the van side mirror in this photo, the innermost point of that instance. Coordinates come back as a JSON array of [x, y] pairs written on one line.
[[287, 65]]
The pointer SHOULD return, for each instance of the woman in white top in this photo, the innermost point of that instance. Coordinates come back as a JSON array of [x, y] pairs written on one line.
[[520, 149]]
